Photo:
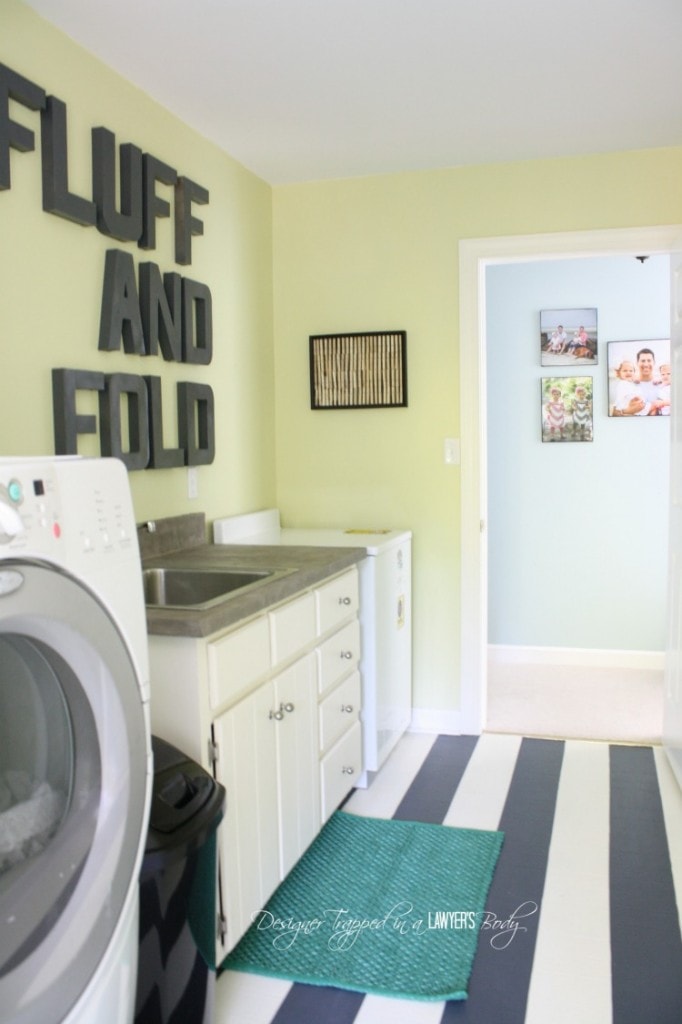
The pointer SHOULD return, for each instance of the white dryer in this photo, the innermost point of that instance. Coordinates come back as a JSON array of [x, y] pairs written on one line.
[[75, 745]]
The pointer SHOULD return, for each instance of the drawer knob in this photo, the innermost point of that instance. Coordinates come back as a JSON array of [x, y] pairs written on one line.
[[347, 654], [347, 708], [287, 707], [348, 770], [344, 600], [277, 715]]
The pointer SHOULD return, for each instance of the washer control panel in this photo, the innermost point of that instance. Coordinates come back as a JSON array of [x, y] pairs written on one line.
[[70, 507]]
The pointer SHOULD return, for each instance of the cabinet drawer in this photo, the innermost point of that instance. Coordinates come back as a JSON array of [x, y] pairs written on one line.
[[337, 600], [292, 627], [340, 769], [237, 660], [339, 711], [339, 654]]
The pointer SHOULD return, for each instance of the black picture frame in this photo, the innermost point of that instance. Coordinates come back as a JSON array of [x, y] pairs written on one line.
[[362, 370], [569, 337], [639, 375], [567, 408]]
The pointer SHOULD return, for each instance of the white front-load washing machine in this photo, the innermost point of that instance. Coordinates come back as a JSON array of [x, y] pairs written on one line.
[[75, 744]]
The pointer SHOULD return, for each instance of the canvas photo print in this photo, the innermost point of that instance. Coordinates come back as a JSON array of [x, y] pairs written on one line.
[[567, 409], [568, 337], [639, 378]]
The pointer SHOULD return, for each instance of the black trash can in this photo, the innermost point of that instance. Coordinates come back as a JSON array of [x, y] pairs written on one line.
[[176, 963]]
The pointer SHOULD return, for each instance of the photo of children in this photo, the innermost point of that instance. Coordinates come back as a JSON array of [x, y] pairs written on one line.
[[639, 378], [566, 408], [568, 337]]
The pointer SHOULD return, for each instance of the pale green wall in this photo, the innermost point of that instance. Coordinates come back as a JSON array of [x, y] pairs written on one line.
[[51, 280], [380, 253]]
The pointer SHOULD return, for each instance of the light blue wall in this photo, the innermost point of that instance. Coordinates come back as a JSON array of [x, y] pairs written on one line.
[[577, 536]]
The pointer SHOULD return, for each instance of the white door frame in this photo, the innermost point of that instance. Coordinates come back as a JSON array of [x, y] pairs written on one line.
[[475, 255]]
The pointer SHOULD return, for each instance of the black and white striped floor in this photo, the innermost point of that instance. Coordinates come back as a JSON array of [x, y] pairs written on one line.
[[585, 906]]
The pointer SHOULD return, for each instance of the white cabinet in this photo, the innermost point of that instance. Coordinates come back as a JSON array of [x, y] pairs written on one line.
[[339, 711], [237, 661], [298, 783], [249, 833], [272, 707], [340, 691], [267, 746], [340, 767]]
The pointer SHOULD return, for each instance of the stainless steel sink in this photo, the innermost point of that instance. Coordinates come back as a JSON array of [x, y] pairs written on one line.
[[201, 588]]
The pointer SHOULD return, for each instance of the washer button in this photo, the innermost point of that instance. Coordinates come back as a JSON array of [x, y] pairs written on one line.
[[15, 491]]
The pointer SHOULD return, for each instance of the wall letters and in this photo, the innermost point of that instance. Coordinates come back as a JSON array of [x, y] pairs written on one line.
[[150, 313]]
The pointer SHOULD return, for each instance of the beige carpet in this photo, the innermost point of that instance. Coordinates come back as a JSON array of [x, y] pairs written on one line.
[[575, 702]]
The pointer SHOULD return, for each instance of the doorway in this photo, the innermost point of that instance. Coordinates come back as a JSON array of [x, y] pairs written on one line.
[[476, 255]]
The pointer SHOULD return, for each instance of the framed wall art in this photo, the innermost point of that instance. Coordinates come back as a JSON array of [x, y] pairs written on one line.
[[358, 371], [567, 409], [568, 337], [639, 378]]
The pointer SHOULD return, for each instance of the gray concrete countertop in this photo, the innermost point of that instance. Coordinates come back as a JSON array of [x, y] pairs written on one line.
[[310, 566]]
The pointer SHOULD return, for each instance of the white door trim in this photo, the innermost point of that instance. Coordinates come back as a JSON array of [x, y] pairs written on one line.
[[475, 254]]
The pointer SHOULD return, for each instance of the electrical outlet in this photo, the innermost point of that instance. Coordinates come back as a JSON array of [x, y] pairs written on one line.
[[192, 482], [451, 451]]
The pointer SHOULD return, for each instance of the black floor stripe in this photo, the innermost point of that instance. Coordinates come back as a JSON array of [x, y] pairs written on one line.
[[427, 800], [498, 987], [646, 948], [310, 1003], [430, 795]]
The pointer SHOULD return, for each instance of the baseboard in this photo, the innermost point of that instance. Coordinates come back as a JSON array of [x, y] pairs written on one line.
[[508, 654], [439, 722]]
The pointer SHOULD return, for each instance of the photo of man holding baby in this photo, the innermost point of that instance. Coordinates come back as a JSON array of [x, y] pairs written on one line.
[[639, 378]]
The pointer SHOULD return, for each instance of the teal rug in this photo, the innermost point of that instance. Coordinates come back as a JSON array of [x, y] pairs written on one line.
[[383, 906]]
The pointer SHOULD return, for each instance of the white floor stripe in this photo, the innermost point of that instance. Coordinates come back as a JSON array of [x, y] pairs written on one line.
[[382, 797], [482, 792], [671, 798], [248, 998], [571, 977]]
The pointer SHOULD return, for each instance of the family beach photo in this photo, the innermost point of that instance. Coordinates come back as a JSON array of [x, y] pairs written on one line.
[[568, 337]]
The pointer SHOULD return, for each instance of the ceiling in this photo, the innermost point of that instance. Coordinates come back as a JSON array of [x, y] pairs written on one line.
[[300, 90]]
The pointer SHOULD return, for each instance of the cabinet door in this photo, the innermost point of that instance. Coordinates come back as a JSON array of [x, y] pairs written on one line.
[[340, 769], [338, 655], [297, 760], [336, 600], [247, 767], [339, 711]]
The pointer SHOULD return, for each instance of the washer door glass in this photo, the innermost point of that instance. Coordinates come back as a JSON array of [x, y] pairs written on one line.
[[42, 709], [74, 791]]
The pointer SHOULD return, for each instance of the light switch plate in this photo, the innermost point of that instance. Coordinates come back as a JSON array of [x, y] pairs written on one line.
[[451, 451]]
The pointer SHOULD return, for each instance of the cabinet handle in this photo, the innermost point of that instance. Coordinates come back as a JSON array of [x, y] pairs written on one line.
[[287, 707], [347, 654], [348, 771], [347, 708], [277, 715], [344, 600]]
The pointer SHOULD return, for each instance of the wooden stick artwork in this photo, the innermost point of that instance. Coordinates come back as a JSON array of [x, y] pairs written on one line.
[[358, 370]]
